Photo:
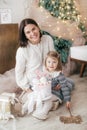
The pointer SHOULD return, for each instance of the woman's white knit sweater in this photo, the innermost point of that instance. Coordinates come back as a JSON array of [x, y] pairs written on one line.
[[30, 58]]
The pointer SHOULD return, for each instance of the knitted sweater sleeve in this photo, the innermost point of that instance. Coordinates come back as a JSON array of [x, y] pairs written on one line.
[[47, 45], [64, 88], [20, 73]]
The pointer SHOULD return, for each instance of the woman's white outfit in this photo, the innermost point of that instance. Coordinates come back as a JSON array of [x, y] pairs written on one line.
[[29, 59], [39, 99]]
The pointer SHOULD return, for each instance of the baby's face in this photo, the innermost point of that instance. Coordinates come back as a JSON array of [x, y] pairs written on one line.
[[51, 64]]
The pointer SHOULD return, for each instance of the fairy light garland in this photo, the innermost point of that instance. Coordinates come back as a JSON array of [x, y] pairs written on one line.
[[65, 10]]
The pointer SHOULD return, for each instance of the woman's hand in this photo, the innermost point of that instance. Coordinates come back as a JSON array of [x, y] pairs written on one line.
[[68, 104], [57, 87], [27, 90]]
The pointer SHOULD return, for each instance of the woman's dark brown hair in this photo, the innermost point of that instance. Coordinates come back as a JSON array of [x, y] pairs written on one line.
[[55, 55], [22, 38]]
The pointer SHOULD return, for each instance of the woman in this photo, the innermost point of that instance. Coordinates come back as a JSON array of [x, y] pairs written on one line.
[[32, 51], [30, 56]]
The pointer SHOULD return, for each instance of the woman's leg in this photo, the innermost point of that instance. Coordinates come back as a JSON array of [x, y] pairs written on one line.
[[47, 106], [42, 113]]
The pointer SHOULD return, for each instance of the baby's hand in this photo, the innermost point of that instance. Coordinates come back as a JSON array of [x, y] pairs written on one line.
[[68, 104], [57, 87]]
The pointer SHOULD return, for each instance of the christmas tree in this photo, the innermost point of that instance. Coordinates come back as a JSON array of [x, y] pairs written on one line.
[[63, 9]]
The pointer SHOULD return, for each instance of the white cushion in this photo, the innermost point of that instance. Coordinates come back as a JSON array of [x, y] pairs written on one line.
[[79, 52]]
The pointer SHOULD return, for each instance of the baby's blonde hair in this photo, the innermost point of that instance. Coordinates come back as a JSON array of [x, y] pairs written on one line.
[[54, 55]]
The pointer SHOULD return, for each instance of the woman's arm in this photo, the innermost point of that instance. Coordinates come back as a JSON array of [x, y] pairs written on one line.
[[51, 44], [20, 70]]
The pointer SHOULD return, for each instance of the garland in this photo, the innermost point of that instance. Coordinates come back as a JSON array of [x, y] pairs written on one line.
[[64, 10]]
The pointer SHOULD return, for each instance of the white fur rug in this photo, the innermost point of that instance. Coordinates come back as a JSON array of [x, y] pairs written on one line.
[[7, 81], [79, 107]]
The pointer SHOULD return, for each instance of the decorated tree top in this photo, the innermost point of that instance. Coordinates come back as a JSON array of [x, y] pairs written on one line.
[[63, 9]]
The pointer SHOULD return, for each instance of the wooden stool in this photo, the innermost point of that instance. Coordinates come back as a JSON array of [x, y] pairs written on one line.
[[83, 65], [79, 54]]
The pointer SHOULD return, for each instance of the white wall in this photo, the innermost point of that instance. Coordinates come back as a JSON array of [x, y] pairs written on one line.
[[19, 8]]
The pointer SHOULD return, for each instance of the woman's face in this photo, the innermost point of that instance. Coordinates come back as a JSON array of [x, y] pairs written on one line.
[[51, 64], [32, 33]]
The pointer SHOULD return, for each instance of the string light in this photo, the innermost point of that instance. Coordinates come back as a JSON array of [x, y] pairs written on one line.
[[64, 10], [57, 22], [58, 29], [49, 25]]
